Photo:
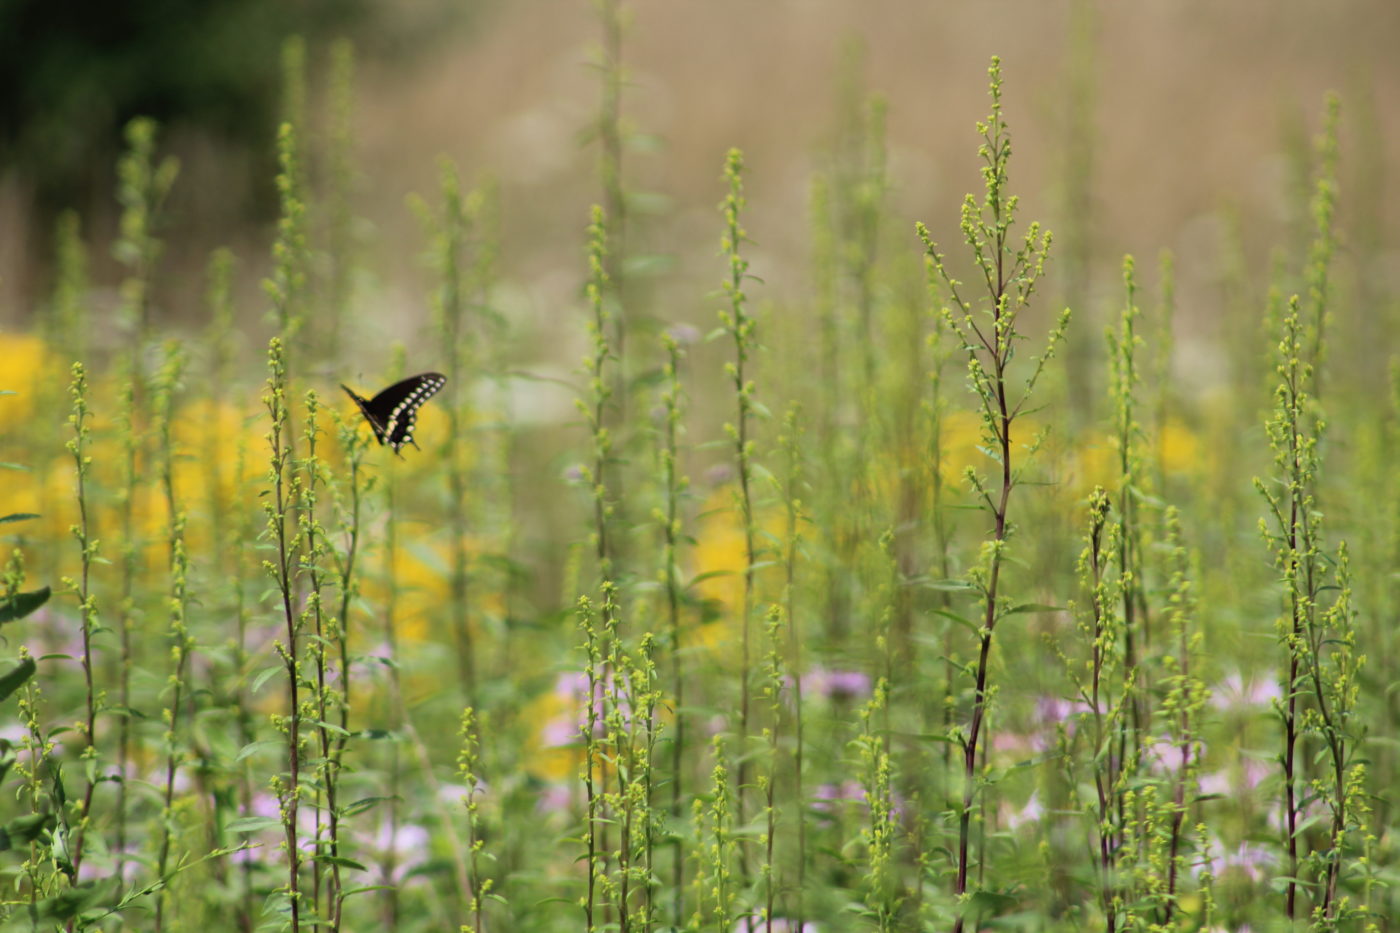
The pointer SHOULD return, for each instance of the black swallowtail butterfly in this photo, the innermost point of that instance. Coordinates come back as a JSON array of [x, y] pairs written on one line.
[[393, 412]]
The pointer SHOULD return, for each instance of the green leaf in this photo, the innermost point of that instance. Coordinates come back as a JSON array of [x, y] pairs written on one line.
[[942, 737], [253, 824], [253, 747], [263, 676], [14, 679], [709, 575], [1032, 607], [339, 860], [24, 829], [328, 726], [375, 734], [22, 604], [967, 623], [949, 586], [68, 904], [361, 805], [988, 902], [17, 517]]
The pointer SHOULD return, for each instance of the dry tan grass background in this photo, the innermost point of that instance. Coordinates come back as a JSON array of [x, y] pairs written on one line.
[[1193, 104]]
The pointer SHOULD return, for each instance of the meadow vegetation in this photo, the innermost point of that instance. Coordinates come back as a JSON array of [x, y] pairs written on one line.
[[858, 612]]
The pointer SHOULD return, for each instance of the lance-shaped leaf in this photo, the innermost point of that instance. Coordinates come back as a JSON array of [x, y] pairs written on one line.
[[22, 604]]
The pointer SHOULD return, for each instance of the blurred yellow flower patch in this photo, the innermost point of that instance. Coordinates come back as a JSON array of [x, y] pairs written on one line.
[[719, 558], [554, 749], [25, 362], [1180, 452], [962, 444], [422, 573]]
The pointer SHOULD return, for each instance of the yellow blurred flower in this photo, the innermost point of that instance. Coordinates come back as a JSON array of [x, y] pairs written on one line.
[[554, 750], [719, 558], [962, 444], [719, 552], [26, 362], [1179, 450], [960, 440], [1093, 462], [423, 580]]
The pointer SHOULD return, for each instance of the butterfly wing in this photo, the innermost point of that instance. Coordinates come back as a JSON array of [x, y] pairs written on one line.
[[393, 413], [375, 422]]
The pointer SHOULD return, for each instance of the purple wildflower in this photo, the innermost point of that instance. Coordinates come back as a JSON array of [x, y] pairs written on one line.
[[838, 685]]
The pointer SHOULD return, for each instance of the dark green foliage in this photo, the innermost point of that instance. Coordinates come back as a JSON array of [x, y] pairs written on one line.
[[22, 604], [72, 74], [24, 829], [15, 678]]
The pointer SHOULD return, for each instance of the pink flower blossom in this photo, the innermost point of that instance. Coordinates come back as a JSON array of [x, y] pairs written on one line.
[[1234, 691], [1164, 755], [829, 798], [1030, 814], [684, 334], [1229, 781], [825, 796], [406, 846], [1247, 859], [554, 798]]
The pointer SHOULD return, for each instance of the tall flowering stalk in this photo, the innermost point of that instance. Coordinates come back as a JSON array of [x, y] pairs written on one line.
[[771, 693], [1163, 342], [87, 600], [142, 186], [349, 497], [715, 850], [1124, 377], [450, 234], [1104, 684], [221, 359], [290, 251], [630, 701], [1318, 275], [1182, 707], [468, 769], [67, 320], [589, 772], [599, 625], [326, 653], [281, 532], [674, 484], [739, 324], [181, 647], [340, 217], [882, 898], [180, 640], [988, 331], [611, 138], [795, 512], [1317, 631]]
